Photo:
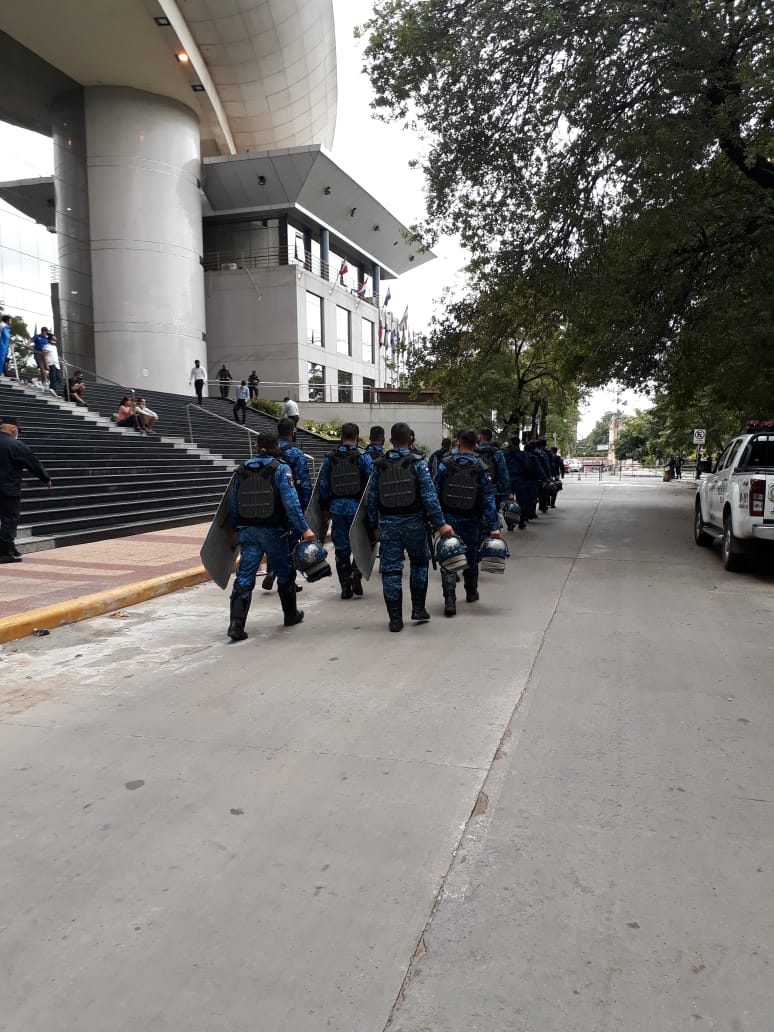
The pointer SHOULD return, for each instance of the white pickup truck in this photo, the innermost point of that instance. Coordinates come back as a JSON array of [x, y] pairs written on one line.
[[736, 501]]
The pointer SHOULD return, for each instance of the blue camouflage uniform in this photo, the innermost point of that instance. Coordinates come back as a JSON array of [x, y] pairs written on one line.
[[296, 459], [374, 451], [468, 528], [404, 533], [273, 539], [342, 510], [523, 471], [502, 482]]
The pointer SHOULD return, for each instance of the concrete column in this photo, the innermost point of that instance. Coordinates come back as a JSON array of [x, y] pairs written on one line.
[[376, 280], [146, 237], [325, 254], [308, 249], [73, 233]]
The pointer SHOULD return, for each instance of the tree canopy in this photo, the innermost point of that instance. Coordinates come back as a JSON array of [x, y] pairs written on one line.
[[616, 158]]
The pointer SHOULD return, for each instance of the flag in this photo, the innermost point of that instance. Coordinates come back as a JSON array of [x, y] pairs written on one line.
[[393, 336], [343, 270], [381, 333], [387, 297], [404, 321], [361, 290]]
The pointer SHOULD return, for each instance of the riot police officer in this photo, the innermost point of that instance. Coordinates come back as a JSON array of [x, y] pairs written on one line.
[[375, 447], [467, 499], [494, 461], [343, 479], [400, 497], [295, 458], [264, 510], [546, 475], [522, 471]]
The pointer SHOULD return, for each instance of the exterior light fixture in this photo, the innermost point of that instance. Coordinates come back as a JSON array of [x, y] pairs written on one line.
[[376, 229], [197, 87], [352, 213], [182, 57], [261, 180], [327, 191], [162, 21], [411, 257]]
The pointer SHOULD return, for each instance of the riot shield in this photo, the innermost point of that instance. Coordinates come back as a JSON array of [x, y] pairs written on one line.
[[363, 550], [219, 551]]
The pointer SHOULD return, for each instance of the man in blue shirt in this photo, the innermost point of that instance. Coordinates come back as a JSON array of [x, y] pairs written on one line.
[[493, 459], [400, 497], [467, 500], [5, 340], [296, 459], [264, 511], [39, 345], [343, 479]]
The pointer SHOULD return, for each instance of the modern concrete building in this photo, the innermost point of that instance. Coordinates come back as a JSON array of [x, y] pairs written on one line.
[[191, 136]]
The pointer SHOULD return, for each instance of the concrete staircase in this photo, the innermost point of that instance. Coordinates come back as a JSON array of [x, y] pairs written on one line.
[[108, 481]]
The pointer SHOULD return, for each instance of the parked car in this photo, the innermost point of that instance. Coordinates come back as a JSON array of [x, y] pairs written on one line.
[[573, 466], [735, 503]]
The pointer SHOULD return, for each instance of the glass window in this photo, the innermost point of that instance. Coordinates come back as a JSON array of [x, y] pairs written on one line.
[[368, 341], [345, 386], [343, 331], [314, 320], [368, 390], [315, 378]]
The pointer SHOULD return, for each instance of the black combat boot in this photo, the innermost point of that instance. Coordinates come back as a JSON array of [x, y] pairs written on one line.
[[344, 571], [395, 612], [240, 607], [357, 582], [418, 611], [268, 581], [448, 582], [471, 586], [293, 614]]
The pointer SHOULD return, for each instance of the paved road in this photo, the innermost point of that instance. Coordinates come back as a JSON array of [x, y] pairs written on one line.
[[559, 804]]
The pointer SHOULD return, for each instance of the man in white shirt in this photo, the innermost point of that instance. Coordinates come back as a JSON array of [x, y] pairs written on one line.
[[240, 405], [54, 372], [290, 410], [149, 417], [198, 378]]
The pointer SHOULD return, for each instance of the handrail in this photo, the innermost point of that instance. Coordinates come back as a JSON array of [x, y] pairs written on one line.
[[311, 461]]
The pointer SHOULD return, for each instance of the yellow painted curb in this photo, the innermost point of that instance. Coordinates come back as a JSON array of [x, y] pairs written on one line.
[[47, 617]]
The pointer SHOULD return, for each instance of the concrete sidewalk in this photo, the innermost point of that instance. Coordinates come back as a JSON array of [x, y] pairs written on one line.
[[59, 586]]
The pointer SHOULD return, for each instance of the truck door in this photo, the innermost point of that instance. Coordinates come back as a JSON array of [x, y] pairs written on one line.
[[720, 488]]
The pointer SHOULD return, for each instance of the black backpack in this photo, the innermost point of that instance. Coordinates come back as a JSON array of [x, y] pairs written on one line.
[[258, 500], [461, 488], [346, 480], [398, 486]]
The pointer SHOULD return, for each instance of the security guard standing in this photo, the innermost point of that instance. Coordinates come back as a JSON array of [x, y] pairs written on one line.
[[492, 457], [295, 458], [467, 500], [375, 447], [264, 510], [401, 495], [343, 480]]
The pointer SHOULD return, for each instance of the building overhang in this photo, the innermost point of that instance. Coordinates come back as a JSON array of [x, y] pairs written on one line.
[[32, 197], [306, 183]]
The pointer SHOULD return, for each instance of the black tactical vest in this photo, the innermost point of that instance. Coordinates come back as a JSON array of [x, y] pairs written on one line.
[[398, 487], [460, 493], [258, 499], [487, 458], [346, 480]]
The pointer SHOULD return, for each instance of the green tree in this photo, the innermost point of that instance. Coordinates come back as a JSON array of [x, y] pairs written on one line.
[[616, 157]]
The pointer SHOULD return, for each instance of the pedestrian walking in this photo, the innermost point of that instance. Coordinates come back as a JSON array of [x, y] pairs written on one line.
[[198, 378], [15, 457], [224, 381], [5, 340], [240, 405], [296, 459], [494, 461], [39, 345], [52, 361], [290, 410], [401, 496], [253, 380], [375, 447], [264, 507], [467, 500], [343, 478], [435, 458]]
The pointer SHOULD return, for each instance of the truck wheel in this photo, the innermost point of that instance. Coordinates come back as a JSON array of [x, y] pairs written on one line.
[[700, 535], [732, 560]]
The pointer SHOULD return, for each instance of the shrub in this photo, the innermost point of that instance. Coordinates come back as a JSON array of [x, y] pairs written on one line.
[[272, 408]]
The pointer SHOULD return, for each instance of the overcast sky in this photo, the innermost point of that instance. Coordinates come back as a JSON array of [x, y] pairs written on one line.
[[375, 154]]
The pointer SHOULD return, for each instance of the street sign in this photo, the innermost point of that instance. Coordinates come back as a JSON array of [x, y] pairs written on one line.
[[603, 447], [699, 436]]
